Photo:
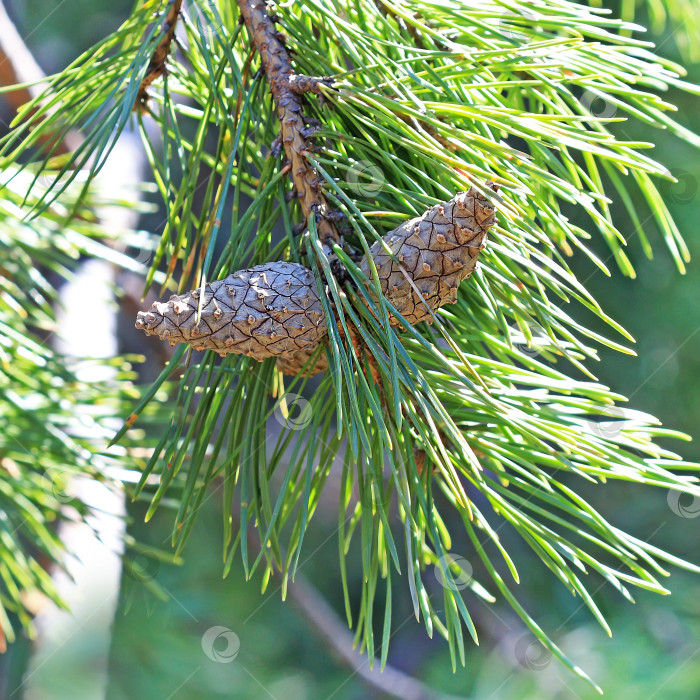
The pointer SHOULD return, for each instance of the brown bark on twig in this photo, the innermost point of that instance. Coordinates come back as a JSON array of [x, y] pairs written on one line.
[[300, 84], [391, 682], [158, 64], [333, 630], [285, 85]]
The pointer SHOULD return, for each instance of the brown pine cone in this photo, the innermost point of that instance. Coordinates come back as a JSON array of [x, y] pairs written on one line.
[[274, 309], [264, 311], [436, 251]]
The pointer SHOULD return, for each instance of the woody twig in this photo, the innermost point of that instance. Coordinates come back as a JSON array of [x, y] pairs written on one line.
[[287, 87], [158, 63]]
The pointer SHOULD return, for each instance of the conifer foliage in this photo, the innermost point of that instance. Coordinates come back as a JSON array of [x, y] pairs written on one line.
[[334, 123]]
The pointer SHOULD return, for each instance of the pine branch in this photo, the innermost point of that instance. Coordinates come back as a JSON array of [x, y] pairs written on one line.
[[44, 400], [286, 87], [44, 441], [484, 395], [158, 64]]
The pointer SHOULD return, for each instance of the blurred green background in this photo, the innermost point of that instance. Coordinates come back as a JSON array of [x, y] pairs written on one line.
[[156, 649]]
